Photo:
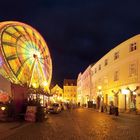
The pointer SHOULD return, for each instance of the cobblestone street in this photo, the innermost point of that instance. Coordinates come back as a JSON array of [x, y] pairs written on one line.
[[80, 124]]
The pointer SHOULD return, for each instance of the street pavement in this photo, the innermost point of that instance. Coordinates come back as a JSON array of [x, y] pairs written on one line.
[[78, 124]]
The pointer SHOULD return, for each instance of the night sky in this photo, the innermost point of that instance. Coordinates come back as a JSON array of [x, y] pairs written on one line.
[[78, 32]]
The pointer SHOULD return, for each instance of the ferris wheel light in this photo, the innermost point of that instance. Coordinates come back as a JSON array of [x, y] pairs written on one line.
[[35, 85], [45, 83]]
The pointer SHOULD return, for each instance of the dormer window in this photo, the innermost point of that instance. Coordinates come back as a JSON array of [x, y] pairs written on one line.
[[106, 62], [116, 55], [99, 67], [132, 47]]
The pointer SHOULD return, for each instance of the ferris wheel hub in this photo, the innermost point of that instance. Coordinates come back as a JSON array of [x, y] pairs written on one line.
[[35, 56]]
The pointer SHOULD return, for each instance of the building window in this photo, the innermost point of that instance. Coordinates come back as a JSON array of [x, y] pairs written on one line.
[[116, 55], [132, 69], [116, 76], [132, 47], [95, 70], [91, 72], [106, 62], [99, 67]]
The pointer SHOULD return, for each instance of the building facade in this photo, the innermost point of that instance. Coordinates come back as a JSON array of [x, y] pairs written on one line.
[[70, 90], [115, 78], [79, 89], [57, 93], [84, 84]]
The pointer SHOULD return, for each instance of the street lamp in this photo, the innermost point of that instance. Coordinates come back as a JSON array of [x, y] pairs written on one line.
[[99, 87], [125, 91]]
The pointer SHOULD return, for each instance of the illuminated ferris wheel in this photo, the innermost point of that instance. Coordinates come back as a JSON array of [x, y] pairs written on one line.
[[24, 55]]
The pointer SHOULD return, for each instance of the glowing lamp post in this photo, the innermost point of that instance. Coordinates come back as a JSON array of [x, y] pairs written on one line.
[[3, 108], [125, 91]]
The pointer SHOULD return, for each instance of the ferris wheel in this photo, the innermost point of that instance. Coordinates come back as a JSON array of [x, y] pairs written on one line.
[[24, 55]]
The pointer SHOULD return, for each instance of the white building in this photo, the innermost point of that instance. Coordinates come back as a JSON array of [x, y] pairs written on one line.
[[84, 86], [116, 77]]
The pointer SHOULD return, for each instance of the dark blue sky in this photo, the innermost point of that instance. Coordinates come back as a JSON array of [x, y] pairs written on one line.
[[78, 32]]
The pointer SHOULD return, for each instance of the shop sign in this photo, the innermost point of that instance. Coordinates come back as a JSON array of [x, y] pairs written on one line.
[[31, 113]]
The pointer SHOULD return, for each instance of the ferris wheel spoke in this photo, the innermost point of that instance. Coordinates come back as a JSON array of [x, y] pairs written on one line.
[[36, 40], [17, 38], [29, 37], [45, 57], [23, 35], [43, 50], [20, 68], [9, 44], [41, 70], [43, 47], [32, 72], [14, 36], [34, 37], [11, 57], [13, 45], [39, 45], [10, 34], [45, 65]]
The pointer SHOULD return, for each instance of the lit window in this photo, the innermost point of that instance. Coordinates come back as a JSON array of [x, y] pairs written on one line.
[[116, 55], [106, 62], [116, 76], [132, 47], [99, 67], [132, 69]]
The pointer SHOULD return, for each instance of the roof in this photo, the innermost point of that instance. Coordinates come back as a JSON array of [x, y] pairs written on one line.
[[70, 82]]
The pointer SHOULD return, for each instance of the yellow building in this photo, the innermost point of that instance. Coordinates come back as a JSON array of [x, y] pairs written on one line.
[[116, 76], [57, 92], [70, 90]]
